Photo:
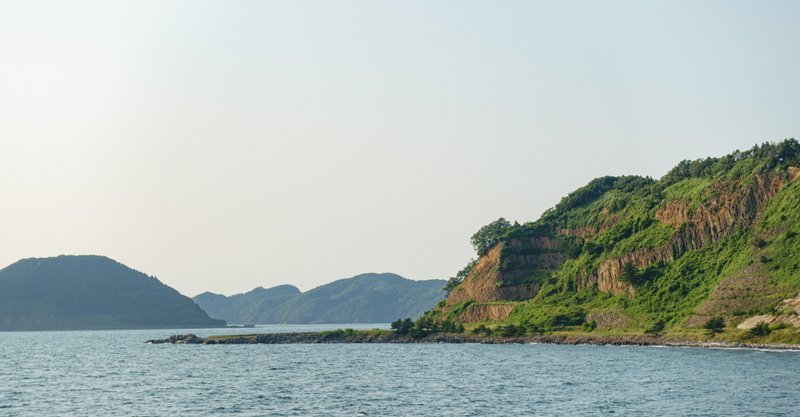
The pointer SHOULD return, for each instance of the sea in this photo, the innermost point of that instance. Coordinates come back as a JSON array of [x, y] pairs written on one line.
[[114, 373]]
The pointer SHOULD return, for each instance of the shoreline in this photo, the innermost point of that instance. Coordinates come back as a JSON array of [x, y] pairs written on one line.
[[390, 337]]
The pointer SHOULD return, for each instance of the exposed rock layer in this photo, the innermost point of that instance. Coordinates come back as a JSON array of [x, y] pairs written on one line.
[[736, 205], [485, 312]]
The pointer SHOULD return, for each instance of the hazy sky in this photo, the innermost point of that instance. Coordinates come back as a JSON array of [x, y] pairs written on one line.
[[224, 145]]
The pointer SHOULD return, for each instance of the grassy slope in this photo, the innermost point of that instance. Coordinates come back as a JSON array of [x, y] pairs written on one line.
[[623, 211]]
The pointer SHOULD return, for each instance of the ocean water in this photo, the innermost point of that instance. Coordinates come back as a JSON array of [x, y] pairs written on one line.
[[114, 373]]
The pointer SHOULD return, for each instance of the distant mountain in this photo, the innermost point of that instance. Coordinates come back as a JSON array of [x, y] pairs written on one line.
[[366, 298], [248, 307], [90, 292]]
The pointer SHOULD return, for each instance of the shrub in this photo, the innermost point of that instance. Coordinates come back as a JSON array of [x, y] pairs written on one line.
[[449, 326], [460, 308], [657, 328], [482, 329], [715, 325], [402, 327], [571, 318], [532, 328], [761, 329], [780, 326], [590, 326], [510, 330]]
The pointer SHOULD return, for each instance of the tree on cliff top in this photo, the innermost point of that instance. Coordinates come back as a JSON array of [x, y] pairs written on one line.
[[488, 236]]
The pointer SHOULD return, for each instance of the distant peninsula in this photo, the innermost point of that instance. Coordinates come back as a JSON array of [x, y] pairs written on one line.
[[365, 298], [88, 293]]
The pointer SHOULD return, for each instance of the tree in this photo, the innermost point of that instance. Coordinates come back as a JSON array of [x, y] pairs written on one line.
[[630, 273], [510, 330], [403, 327], [715, 325], [453, 282], [448, 326], [488, 236]]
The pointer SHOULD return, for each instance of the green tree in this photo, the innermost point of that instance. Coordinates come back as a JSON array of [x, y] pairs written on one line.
[[761, 329], [714, 325], [403, 327], [488, 236], [510, 330], [630, 273], [482, 329]]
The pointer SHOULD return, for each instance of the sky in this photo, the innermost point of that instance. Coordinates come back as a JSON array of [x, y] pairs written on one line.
[[225, 145]]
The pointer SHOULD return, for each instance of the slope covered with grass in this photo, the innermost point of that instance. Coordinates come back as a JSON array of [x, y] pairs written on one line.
[[716, 237]]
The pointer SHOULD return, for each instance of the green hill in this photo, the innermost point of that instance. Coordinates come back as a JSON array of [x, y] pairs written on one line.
[[90, 292], [366, 298], [715, 237], [255, 306]]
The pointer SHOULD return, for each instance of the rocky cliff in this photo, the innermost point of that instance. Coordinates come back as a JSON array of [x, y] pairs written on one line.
[[729, 206], [682, 249], [510, 271]]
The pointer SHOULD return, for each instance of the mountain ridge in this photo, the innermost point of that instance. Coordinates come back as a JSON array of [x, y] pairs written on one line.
[[364, 298], [85, 292]]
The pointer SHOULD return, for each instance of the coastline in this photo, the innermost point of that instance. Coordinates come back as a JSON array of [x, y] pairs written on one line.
[[390, 337]]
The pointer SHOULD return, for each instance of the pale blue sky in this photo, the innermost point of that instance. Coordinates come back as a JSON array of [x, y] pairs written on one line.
[[223, 145]]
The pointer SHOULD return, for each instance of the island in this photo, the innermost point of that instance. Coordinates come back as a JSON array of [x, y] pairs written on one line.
[[90, 292]]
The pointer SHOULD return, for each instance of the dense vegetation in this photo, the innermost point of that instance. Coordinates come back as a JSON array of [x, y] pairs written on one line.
[[90, 292], [425, 325], [616, 216], [366, 298]]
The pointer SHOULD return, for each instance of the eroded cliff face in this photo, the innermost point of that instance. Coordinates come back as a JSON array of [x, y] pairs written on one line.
[[485, 282], [493, 277], [730, 205], [477, 313], [606, 277]]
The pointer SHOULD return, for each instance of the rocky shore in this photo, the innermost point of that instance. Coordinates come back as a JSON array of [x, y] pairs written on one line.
[[389, 337]]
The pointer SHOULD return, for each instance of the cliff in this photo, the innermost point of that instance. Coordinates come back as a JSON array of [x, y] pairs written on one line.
[[714, 237], [510, 271]]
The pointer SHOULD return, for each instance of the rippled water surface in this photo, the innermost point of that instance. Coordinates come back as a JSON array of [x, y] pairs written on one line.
[[102, 373]]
